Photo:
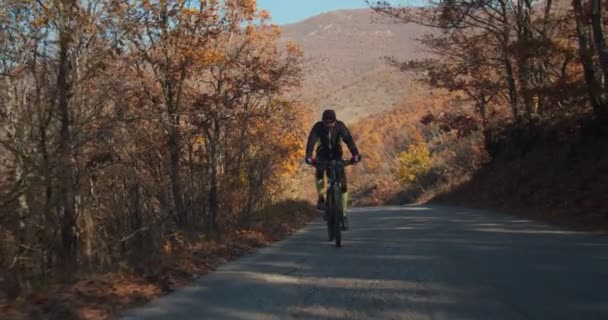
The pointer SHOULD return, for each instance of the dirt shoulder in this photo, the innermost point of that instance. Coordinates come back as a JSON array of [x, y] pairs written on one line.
[[103, 296]]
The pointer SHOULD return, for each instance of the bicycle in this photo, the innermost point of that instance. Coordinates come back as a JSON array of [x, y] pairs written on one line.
[[333, 203]]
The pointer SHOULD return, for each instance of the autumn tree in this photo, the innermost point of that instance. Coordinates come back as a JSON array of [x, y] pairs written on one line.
[[54, 52], [243, 77], [463, 64], [164, 40], [505, 49], [125, 123]]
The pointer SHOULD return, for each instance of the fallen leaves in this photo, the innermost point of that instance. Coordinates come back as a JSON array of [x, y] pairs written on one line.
[[104, 296]]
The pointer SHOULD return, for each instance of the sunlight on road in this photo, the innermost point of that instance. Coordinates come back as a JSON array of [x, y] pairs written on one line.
[[390, 208], [335, 282], [527, 231]]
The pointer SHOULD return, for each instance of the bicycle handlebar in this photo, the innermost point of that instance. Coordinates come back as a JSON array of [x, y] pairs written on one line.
[[344, 162]]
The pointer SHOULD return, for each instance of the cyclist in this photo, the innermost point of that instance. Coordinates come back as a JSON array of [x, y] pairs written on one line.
[[328, 135]]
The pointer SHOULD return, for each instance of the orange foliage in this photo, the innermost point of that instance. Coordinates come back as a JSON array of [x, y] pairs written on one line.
[[381, 137], [179, 119], [400, 151]]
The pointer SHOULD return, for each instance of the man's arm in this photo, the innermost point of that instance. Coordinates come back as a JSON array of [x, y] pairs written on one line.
[[312, 140], [348, 139]]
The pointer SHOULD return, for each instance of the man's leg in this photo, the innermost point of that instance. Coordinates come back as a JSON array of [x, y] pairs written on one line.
[[344, 190], [320, 185]]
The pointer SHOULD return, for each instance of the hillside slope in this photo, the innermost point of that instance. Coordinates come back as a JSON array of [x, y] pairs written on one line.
[[344, 66], [561, 177]]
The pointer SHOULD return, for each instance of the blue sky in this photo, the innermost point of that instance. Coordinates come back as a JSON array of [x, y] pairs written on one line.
[[288, 11]]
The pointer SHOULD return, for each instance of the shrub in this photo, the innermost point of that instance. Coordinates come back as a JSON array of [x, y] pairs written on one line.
[[413, 163]]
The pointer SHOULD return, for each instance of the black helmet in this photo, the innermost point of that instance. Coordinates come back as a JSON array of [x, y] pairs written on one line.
[[329, 115]]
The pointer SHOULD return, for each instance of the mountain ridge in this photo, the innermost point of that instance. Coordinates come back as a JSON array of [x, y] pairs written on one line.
[[344, 67]]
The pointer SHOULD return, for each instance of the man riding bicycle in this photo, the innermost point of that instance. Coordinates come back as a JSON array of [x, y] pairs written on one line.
[[328, 135]]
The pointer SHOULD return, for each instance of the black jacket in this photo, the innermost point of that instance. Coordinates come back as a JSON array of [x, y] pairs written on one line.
[[330, 146]]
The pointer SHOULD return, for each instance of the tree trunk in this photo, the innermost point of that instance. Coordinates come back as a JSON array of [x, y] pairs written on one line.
[[22, 235], [135, 222], [523, 58], [598, 38], [68, 220], [213, 180], [545, 59], [482, 108], [174, 174], [250, 196], [191, 202], [512, 87], [602, 54], [171, 92], [594, 88], [503, 40]]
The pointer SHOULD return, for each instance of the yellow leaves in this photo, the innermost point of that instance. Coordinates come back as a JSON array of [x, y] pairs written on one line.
[[90, 27], [293, 48], [241, 179], [211, 57], [275, 31], [261, 36], [264, 15], [280, 138], [40, 22], [199, 140], [146, 4], [250, 31], [190, 11], [249, 7], [246, 9], [413, 163]]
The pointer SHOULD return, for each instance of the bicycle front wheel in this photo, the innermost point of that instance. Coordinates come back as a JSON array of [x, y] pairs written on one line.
[[329, 214], [337, 215]]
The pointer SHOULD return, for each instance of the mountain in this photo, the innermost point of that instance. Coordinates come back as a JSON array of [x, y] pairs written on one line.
[[344, 65]]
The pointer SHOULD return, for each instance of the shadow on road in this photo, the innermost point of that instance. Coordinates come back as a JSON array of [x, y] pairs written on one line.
[[411, 263]]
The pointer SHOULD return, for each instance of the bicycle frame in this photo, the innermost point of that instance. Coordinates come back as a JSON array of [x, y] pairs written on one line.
[[333, 206]]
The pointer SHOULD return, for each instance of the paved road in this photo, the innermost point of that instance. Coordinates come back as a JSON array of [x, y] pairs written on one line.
[[414, 262]]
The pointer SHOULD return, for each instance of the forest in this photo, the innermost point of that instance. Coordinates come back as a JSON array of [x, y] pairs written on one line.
[[143, 135]]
